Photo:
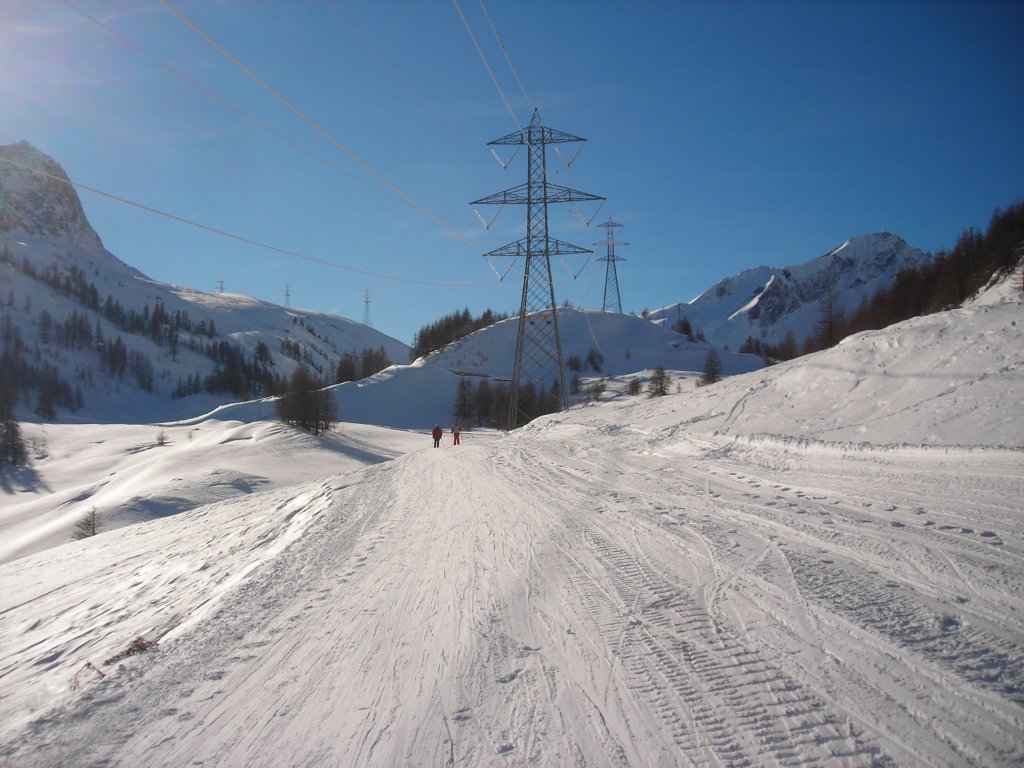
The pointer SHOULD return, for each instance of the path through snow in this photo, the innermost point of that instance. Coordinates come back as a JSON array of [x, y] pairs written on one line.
[[577, 594]]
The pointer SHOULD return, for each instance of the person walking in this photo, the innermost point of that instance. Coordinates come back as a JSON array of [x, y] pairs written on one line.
[[456, 431], [437, 434]]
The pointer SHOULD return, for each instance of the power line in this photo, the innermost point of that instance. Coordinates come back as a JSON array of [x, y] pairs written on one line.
[[487, 65], [239, 238], [508, 59], [403, 79], [223, 102], [318, 128]]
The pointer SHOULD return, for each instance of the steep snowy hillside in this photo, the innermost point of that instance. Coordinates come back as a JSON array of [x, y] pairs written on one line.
[[765, 302], [44, 205], [703, 579], [120, 347]]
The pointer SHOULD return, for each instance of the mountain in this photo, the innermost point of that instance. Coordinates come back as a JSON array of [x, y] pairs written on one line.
[[123, 348], [421, 394], [37, 201], [97, 340], [766, 302]]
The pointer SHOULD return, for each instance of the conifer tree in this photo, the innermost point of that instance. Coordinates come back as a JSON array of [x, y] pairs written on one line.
[[483, 399], [306, 404], [463, 409], [13, 451], [828, 331], [658, 385], [712, 369]]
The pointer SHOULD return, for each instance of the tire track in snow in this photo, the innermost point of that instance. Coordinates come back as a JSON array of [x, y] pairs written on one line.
[[924, 637], [681, 662], [745, 708]]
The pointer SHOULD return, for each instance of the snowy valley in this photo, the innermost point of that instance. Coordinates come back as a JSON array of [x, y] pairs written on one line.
[[816, 563], [819, 562]]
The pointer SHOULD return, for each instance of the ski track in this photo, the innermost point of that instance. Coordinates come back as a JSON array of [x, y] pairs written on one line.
[[695, 603]]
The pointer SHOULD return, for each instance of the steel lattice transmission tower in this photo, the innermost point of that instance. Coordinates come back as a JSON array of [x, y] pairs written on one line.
[[612, 300], [538, 357], [367, 320]]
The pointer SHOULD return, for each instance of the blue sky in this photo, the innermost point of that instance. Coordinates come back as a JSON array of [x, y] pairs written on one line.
[[723, 135]]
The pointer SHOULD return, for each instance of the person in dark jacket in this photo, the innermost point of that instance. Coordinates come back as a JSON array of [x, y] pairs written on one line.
[[437, 434]]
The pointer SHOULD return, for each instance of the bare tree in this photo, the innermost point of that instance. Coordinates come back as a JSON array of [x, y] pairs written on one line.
[[87, 525]]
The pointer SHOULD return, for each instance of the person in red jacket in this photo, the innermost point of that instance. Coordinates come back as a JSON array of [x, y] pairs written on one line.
[[437, 434], [456, 431]]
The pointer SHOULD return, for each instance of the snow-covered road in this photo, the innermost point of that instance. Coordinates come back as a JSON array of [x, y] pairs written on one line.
[[581, 593]]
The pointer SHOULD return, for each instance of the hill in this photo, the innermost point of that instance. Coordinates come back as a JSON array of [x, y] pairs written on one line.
[[96, 340]]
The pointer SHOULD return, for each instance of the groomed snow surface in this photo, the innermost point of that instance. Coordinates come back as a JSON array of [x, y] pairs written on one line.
[[710, 578]]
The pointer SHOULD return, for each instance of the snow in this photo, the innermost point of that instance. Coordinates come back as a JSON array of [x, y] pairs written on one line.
[[766, 302], [816, 563]]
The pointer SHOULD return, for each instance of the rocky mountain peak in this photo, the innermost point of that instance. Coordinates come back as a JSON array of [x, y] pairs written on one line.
[[37, 200]]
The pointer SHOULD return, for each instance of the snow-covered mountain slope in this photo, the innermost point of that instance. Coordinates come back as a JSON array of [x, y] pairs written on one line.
[[766, 302], [624, 344], [685, 580], [418, 395], [54, 263], [62, 293], [45, 206]]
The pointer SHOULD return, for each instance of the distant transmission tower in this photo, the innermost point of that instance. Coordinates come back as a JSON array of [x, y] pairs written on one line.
[[220, 286], [538, 344], [366, 309], [612, 300], [287, 294]]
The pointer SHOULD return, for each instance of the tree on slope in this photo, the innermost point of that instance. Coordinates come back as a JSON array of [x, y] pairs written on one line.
[[463, 408], [87, 525], [306, 404], [658, 385], [828, 331], [13, 451], [712, 369]]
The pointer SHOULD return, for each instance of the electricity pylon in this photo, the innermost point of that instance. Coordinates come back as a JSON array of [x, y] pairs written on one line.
[[612, 300], [367, 320], [538, 343]]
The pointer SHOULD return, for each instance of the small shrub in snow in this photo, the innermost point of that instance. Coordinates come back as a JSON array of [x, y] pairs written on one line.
[[138, 645]]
